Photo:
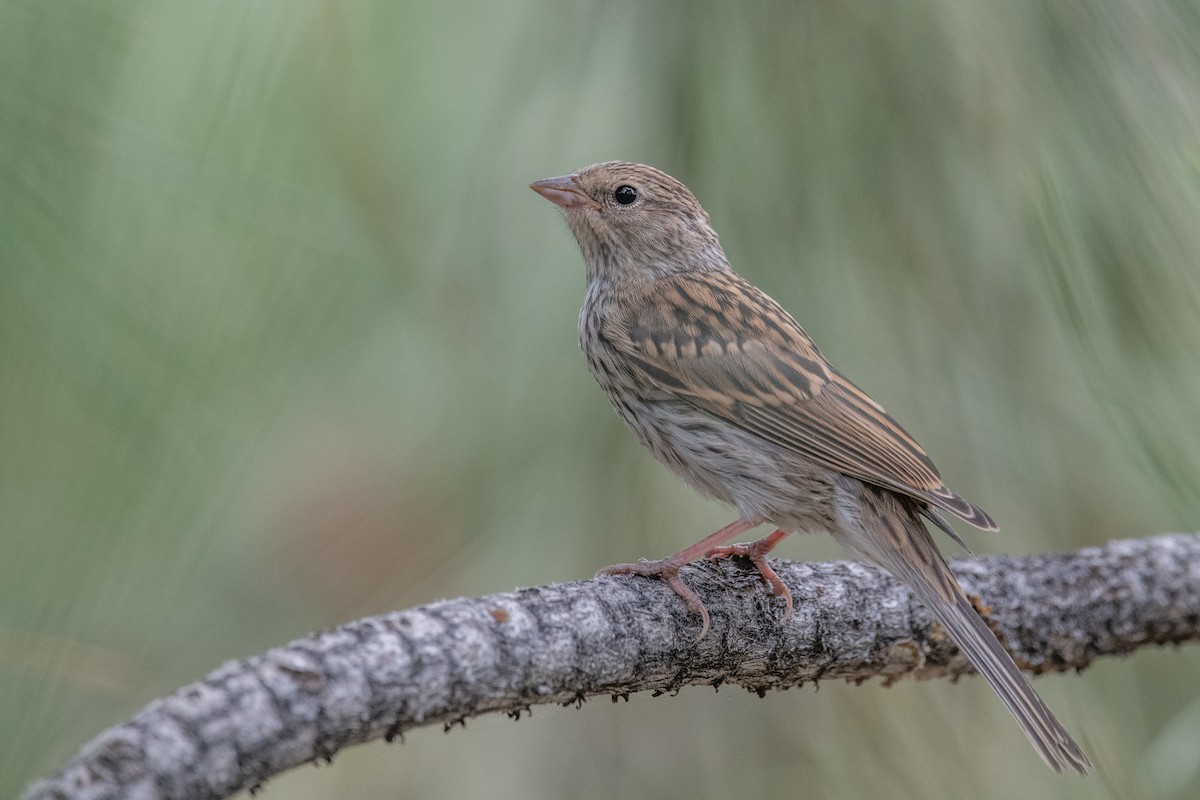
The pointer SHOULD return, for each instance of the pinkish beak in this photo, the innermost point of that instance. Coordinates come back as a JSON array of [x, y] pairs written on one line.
[[564, 191]]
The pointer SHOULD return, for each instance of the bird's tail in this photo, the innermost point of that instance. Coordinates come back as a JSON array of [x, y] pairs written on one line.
[[893, 536]]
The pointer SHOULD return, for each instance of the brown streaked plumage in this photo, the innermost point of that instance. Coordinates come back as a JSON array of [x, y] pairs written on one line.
[[728, 391]]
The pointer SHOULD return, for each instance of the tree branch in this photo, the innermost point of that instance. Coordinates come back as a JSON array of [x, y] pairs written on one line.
[[446, 661]]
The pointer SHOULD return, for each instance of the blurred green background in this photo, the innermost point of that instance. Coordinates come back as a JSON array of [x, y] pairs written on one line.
[[285, 341]]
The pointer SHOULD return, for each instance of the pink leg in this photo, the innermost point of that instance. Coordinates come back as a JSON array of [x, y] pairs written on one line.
[[757, 551], [668, 568]]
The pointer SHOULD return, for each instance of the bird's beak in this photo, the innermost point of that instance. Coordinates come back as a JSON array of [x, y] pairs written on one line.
[[564, 191]]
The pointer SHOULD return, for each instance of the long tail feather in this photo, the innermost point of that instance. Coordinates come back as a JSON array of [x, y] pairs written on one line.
[[893, 536]]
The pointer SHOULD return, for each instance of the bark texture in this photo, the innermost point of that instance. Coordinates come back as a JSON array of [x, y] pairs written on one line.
[[453, 659]]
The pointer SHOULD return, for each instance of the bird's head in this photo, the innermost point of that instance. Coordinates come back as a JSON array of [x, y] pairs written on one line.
[[634, 222]]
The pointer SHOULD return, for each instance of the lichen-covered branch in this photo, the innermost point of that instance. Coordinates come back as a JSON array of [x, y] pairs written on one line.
[[444, 662]]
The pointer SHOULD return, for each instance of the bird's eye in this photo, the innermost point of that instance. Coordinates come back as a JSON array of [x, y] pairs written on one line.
[[625, 195]]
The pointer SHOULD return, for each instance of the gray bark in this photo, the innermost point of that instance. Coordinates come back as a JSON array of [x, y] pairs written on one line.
[[441, 663]]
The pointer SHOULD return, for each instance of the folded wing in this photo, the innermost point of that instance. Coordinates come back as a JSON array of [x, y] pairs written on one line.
[[721, 344]]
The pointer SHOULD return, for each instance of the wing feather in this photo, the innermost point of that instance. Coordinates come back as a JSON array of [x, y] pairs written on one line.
[[720, 343]]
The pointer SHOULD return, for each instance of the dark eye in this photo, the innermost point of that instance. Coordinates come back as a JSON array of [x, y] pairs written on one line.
[[625, 195]]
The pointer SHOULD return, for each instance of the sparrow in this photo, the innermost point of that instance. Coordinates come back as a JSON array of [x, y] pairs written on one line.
[[726, 389]]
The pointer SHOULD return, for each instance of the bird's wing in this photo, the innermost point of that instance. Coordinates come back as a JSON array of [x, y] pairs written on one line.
[[721, 344]]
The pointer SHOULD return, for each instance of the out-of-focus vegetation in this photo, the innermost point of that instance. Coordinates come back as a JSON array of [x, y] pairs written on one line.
[[285, 341]]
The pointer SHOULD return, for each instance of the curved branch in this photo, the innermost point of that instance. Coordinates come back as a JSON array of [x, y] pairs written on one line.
[[446, 661]]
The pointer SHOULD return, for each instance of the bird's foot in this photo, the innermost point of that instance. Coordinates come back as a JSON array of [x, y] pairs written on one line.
[[667, 569], [757, 551]]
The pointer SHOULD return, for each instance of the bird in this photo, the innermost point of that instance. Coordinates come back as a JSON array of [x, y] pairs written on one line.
[[725, 389]]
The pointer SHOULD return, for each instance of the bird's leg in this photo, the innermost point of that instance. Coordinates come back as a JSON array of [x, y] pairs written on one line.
[[668, 568], [757, 551]]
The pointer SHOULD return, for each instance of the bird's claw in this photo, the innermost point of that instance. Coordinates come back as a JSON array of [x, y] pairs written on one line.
[[757, 551], [668, 570]]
